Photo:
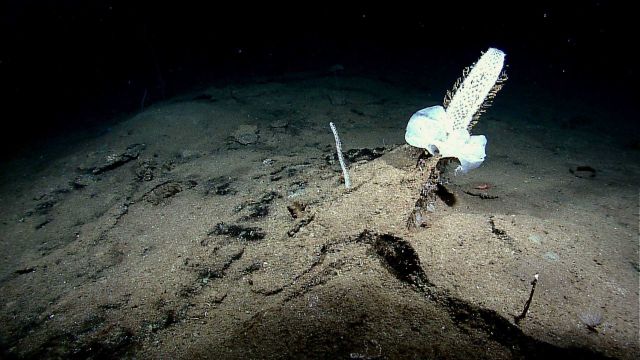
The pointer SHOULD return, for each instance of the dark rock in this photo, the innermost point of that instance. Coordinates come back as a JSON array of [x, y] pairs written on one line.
[[145, 170], [114, 161], [296, 209], [583, 171], [366, 154], [25, 270], [260, 208], [238, 231], [355, 155], [83, 181], [167, 190], [246, 134]]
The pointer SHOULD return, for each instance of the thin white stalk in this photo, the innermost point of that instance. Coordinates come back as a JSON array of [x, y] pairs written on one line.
[[345, 172]]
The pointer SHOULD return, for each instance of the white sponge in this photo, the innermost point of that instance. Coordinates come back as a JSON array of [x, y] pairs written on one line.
[[475, 88], [445, 132], [431, 129]]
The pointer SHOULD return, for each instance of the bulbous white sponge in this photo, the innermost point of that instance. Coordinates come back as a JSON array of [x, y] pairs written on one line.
[[445, 132]]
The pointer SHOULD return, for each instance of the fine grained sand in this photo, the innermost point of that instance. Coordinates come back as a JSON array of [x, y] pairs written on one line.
[[169, 235]]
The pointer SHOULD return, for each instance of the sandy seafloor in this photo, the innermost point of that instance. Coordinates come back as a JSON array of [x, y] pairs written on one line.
[[215, 225]]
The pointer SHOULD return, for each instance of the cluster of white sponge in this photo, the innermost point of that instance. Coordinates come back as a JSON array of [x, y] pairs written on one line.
[[445, 132]]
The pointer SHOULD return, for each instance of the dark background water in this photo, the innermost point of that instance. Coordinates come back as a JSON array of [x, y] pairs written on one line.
[[69, 65]]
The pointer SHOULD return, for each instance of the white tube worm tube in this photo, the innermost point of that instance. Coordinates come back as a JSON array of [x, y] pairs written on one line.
[[345, 172]]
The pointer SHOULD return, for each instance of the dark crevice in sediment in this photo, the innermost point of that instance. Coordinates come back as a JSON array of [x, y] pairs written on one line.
[[398, 256], [402, 261]]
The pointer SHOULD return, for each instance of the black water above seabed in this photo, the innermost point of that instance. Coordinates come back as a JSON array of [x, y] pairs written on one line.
[[76, 66]]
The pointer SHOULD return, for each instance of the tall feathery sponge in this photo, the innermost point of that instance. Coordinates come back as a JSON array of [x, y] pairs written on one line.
[[444, 130]]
